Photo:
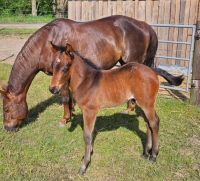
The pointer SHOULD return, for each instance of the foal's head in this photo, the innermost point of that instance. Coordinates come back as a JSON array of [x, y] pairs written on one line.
[[61, 68]]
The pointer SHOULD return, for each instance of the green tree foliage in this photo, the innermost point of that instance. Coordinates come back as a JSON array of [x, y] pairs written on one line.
[[23, 7]]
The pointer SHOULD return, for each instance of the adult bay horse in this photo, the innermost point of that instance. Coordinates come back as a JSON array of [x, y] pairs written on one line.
[[96, 89], [104, 42]]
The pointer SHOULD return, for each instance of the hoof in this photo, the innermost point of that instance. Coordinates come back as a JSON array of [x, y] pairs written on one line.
[[125, 112], [61, 125], [145, 156], [152, 159], [81, 171]]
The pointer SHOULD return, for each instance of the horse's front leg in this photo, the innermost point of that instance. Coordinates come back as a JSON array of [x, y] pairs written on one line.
[[89, 118], [68, 106]]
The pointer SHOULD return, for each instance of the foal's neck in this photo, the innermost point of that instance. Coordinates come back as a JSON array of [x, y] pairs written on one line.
[[81, 71]]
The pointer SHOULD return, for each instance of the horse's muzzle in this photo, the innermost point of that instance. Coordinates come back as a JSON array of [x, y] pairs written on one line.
[[54, 90], [11, 128]]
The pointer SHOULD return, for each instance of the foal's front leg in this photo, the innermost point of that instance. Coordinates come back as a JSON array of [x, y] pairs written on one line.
[[89, 118]]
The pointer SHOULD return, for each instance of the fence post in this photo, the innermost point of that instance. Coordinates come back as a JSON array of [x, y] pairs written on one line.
[[195, 88]]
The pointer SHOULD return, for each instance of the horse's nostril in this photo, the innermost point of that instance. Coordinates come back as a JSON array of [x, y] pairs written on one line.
[[11, 129], [54, 90]]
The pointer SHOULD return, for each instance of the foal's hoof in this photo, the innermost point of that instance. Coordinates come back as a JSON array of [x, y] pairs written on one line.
[[145, 156], [152, 159]]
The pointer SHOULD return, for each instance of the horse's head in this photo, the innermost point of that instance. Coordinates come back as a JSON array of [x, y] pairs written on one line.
[[14, 110], [61, 68]]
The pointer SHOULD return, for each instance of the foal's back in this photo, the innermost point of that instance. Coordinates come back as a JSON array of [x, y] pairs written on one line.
[[132, 80]]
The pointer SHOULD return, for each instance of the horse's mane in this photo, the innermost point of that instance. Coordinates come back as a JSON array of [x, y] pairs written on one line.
[[24, 63], [87, 61]]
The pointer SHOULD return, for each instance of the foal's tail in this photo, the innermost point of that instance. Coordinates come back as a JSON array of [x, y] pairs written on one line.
[[173, 80]]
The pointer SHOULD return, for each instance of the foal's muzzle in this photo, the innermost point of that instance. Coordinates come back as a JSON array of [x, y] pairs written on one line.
[[54, 90]]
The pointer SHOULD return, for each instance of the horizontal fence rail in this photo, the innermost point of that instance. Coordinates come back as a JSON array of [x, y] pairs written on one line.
[[189, 58]]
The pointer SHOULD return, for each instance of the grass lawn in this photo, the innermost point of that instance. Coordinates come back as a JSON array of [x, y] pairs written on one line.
[[18, 31], [25, 19], [42, 151]]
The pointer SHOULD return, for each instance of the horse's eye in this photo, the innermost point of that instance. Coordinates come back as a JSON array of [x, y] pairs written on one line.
[[66, 68]]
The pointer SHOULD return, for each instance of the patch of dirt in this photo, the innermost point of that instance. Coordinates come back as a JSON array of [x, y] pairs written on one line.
[[10, 47]]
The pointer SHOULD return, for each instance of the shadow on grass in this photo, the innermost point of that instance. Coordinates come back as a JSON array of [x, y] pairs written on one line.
[[113, 122], [175, 93], [103, 123], [39, 108]]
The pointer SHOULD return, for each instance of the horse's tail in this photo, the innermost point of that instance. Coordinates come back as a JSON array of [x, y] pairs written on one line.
[[149, 61], [152, 48], [173, 80]]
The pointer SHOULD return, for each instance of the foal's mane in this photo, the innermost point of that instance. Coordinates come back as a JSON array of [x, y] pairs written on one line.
[[62, 49]]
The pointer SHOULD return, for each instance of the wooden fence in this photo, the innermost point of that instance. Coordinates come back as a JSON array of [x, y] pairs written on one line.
[[151, 11]]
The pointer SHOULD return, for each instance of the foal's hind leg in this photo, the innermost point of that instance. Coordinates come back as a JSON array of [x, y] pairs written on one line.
[[152, 134], [130, 106], [89, 118]]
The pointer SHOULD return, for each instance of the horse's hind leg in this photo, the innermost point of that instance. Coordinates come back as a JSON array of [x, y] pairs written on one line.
[[152, 134], [89, 118], [67, 102]]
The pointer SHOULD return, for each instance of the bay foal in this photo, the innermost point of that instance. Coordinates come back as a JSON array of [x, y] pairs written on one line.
[[96, 89]]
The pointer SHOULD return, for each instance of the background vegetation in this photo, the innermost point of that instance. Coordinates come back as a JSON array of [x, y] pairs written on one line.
[[23, 7], [42, 151]]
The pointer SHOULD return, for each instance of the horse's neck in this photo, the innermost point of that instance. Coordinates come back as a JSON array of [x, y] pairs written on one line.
[[23, 71], [81, 71]]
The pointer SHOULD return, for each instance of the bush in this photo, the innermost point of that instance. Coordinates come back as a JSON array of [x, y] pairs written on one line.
[[23, 7]]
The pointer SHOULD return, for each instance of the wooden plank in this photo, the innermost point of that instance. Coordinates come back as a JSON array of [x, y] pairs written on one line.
[[100, 9], [149, 6], [78, 10], [171, 30], [185, 31], [161, 35], [192, 20], [96, 10], [105, 8], [72, 10], [109, 8], [141, 10], [180, 32], [167, 9], [136, 9], [154, 19], [127, 8], [119, 7], [175, 36]]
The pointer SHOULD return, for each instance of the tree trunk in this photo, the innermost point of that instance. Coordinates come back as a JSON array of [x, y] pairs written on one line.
[[34, 8], [61, 6]]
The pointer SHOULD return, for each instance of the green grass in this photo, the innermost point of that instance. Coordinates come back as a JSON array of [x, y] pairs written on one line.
[[25, 19], [18, 31], [42, 151]]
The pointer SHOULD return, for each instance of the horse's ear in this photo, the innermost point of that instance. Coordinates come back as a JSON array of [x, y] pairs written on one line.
[[3, 93], [69, 50], [56, 47]]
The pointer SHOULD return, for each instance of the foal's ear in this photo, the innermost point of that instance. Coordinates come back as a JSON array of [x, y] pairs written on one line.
[[69, 50]]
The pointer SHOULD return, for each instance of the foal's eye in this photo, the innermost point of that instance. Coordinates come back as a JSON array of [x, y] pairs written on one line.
[[65, 68]]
